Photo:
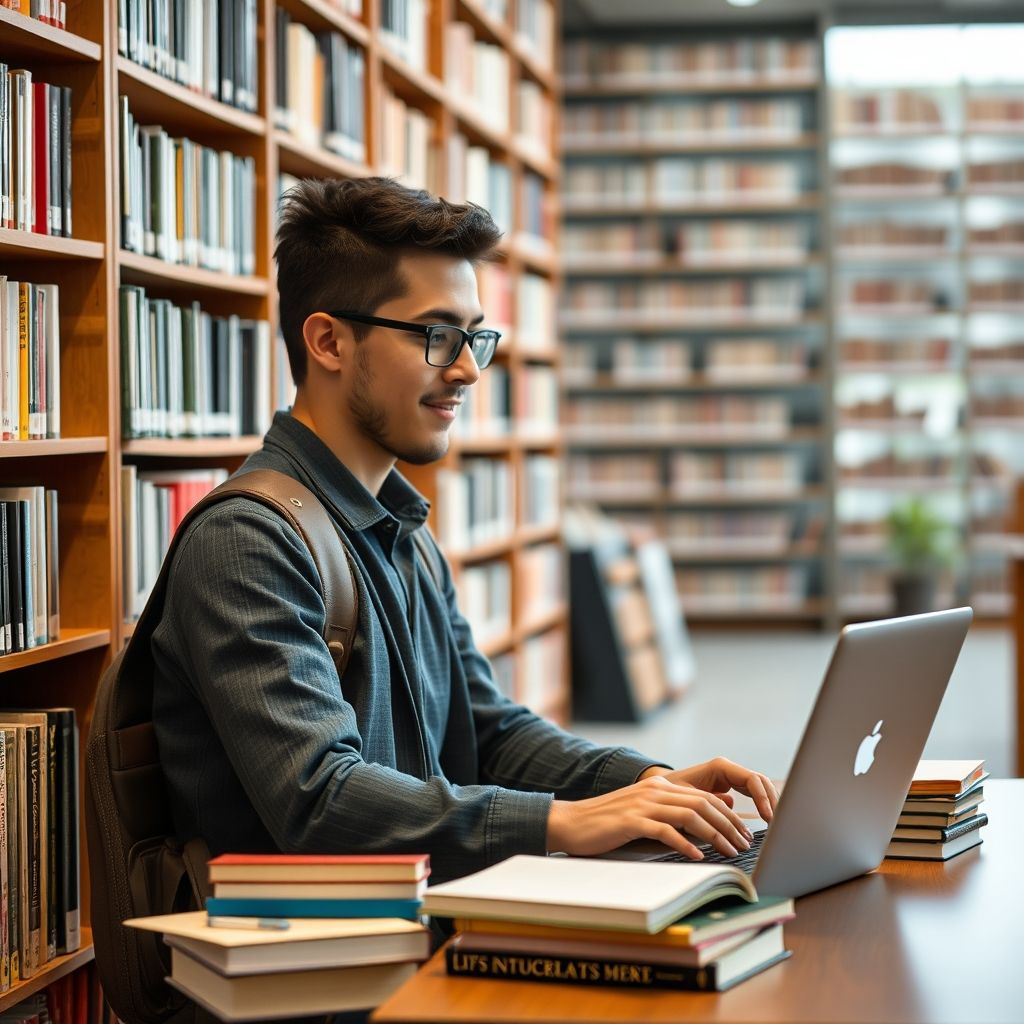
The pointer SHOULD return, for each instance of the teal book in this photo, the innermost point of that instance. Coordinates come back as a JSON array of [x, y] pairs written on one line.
[[232, 907]]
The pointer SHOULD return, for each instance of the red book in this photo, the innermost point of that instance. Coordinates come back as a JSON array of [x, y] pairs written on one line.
[[281, 867], [41, 156]]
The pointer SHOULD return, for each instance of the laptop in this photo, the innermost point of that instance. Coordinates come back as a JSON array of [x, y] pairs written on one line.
[[857, 756]]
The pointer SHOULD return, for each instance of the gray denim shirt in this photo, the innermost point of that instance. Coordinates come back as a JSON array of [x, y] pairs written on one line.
[[414, 751]]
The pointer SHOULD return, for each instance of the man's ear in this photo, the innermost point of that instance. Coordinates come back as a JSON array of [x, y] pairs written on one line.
[[328, 341]]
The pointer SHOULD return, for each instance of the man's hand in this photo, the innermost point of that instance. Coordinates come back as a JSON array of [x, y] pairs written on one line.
[[657, 807], [720, 775]]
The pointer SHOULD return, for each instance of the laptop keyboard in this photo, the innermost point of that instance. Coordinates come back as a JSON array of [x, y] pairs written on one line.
[[745, 861]]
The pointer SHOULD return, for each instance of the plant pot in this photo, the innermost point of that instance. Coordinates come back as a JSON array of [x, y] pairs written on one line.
[[913, 594]]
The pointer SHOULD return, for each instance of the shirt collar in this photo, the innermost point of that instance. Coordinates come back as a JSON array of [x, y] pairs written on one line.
[[398, 500]]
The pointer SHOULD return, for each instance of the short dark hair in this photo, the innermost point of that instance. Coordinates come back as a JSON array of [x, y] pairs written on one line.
[[339, 242]]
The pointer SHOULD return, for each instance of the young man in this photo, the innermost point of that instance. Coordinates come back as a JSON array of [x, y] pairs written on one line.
[[414, 749]]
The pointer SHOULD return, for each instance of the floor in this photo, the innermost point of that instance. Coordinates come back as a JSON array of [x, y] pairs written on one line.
[[753, 693]]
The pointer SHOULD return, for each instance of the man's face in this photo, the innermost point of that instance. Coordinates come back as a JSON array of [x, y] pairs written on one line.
[[394, 398]]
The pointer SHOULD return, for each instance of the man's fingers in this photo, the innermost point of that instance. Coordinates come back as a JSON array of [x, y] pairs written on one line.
[[671, 836]]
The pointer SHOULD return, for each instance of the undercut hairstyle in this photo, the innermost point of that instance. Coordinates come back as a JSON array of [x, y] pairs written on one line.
[[339, 243]]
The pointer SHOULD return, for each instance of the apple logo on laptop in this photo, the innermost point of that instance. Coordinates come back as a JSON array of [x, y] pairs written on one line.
[[866, 751]]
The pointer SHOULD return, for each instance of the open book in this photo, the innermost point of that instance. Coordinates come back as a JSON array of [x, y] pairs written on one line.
[[633, 896]]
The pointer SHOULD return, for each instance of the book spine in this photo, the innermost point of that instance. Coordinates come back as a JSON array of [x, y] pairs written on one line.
[[408, 909], [66, 812], [5, 933], [13, 817], [15, 590], [65, 161], [50, 851], [5, 586], [578, 970], [34, 806]]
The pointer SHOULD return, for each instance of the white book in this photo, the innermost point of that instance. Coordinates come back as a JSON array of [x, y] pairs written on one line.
[[576, 892], [5, 365], [51, 339]]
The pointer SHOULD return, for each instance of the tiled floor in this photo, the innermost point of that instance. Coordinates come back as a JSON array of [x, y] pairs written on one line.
[[754, 691]]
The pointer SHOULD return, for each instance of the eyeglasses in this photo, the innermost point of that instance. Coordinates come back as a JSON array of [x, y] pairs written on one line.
[[443, 341]]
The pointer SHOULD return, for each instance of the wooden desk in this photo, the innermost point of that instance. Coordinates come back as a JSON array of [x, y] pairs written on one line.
[[913, 942]]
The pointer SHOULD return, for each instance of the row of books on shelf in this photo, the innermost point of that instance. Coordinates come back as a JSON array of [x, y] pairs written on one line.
[[184, 202], [916, 296], [406, 141], [485, 595], [902, 111], [708, 62], [525, 407], [689, 473], [684, 181], [39, 843], [698, 243], [186, 373], [48, 12], [684, 122], [210, 48], [540, 578], [35, 154], [404, 29], [153, 504], [475, 503], [729, 589], [741, 533], [758, 298], [477, 73], [320, 87], [29, 360], [740, 359], [29, 568], [474, 176], [535, 30], [898, 408], [713, 413], [71, 999], [878, 237], [882, 177]]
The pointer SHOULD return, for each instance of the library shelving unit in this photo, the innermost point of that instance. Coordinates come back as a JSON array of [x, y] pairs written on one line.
[[928, 266], [416, 121], [696, 362]]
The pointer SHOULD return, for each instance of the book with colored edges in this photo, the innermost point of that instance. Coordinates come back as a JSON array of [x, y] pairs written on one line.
[[940, 833], [970, 797], [959, 838], [740, 963], [641, 896], [945, 778], [321, 890], [723, 918], [287, 994], [282, 867], [408, 909], [305, 945]]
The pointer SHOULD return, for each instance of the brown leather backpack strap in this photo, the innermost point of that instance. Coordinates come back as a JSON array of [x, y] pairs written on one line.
[[300, 507]]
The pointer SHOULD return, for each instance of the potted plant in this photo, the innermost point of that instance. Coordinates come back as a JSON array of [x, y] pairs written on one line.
[[920, 541]]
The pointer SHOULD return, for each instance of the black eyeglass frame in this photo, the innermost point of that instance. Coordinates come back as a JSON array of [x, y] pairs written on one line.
[[468, 337]]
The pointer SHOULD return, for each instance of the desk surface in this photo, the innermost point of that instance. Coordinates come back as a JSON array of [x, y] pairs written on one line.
[[913, 942]]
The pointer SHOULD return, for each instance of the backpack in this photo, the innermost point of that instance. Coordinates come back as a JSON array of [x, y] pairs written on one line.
[[136, 865]]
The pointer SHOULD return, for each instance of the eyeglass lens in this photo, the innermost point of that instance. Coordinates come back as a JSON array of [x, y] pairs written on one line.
[[444, 344]]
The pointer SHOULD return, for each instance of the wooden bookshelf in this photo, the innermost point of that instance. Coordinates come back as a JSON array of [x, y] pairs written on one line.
[[789, 133], [84, 464]]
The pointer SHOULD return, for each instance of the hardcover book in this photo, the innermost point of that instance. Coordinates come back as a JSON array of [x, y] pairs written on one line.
[[577, 892], [728, 970], [273, 867], [945, 778]]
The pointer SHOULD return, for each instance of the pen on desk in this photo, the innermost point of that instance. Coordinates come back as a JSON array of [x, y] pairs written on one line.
[[279, 924]]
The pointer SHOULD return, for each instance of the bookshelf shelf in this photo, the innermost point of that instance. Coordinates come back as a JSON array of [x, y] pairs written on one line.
[[49, 973], [700, 382], [685, 87], [421, 86], [137, 268], [298, 158], [46, 449], [772, 609], [487, 552], [192, 448], [645, 208], [491, 647], [675, 268], [633, 146], [322, 15], [726, 499], [542, 623], [29, 245], [26, 37], [72, 641], [731, 439], [152, 97], [722, 556], [660, 323]]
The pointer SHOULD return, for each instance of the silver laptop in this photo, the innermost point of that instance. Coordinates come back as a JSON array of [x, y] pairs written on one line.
[[844, 792]]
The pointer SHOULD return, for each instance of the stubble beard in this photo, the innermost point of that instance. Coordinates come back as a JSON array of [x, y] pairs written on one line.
[[372, 420]]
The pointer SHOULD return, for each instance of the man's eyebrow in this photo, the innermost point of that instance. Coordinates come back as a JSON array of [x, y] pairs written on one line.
[[447, 316]]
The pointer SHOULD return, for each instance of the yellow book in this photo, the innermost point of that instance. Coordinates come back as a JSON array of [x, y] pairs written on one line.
[[24, 327], [724, 918]]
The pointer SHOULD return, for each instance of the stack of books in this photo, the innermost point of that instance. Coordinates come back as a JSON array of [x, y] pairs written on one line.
[[941, 816], [602, 922], [295, 936]]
